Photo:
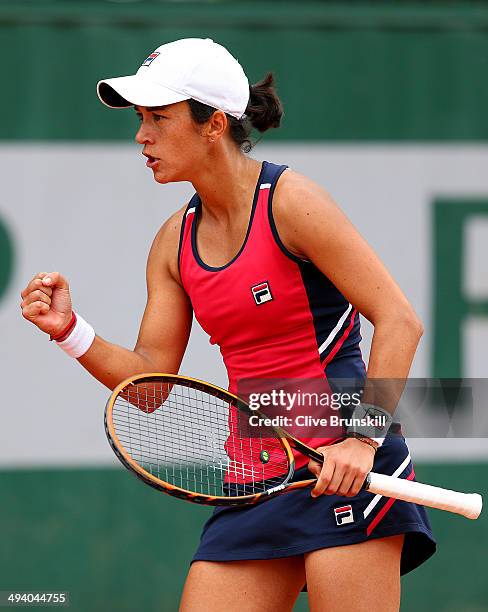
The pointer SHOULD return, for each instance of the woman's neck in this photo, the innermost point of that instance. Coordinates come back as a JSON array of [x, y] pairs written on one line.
[[226, 183]]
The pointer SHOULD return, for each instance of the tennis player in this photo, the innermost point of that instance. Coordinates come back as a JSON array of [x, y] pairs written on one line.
[[276, 275]]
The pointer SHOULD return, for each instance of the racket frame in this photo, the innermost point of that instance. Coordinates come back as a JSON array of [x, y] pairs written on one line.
[[208, 500]]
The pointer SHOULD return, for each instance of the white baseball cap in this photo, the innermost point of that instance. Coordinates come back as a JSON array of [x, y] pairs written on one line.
[[195, 68]]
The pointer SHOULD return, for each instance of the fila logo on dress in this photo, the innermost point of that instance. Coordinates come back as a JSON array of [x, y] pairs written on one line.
[[343, 515], [261, 293]]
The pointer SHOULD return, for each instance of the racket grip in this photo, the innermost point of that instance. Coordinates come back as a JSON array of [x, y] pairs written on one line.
[[466, 504]]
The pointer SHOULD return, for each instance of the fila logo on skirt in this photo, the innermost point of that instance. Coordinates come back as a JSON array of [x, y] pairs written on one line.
[[261, 293], [343, 515]]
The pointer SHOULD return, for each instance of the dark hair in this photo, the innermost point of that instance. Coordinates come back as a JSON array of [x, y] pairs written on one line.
[[264, 111]]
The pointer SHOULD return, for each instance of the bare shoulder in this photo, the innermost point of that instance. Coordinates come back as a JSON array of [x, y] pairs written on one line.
[[169, 233], [300, 206], [164, 249], [295, 189]]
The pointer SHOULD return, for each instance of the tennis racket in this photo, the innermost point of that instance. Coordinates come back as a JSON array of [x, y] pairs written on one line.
[[193, 440]]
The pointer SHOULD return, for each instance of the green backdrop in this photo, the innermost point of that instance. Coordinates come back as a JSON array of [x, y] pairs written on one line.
[[118, 545], [345, 72]]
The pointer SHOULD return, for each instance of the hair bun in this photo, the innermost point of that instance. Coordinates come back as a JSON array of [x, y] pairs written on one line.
[[264, 110]]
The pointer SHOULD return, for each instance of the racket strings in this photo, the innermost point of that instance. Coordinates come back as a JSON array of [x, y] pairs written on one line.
[[198, 442]]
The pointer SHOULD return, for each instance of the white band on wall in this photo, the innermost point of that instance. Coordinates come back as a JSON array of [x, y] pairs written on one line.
[[79, 340]]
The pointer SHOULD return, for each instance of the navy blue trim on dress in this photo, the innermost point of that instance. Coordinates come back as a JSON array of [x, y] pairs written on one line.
[[326, 302], [327, 305], [182, 230], [277, 173]]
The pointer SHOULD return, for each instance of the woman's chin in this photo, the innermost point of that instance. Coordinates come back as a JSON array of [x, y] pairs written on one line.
[[161, 177], [164, 177]]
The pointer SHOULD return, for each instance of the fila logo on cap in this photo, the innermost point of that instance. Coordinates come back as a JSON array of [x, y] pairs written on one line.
[[343, 515], [150, 59], [261, 293]]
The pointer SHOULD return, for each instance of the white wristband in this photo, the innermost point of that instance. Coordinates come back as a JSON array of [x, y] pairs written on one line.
[[79, 340]]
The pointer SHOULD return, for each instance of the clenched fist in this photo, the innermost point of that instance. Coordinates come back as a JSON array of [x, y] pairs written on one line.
[[46, 302]]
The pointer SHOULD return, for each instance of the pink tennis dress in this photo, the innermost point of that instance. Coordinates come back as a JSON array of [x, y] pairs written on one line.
[[276, 316]]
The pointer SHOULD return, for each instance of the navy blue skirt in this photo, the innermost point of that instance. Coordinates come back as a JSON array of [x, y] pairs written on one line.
[[295, 523]]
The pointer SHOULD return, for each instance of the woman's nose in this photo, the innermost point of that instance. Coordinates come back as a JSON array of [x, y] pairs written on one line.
[[143, 135]]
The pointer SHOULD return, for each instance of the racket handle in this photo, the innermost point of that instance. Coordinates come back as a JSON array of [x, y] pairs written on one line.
[[467, 504]]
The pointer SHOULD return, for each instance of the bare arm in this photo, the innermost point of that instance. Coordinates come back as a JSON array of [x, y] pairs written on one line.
[[312, 227], [165, 326]]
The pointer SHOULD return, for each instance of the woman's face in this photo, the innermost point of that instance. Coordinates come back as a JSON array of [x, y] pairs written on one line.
[[172, 142]]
